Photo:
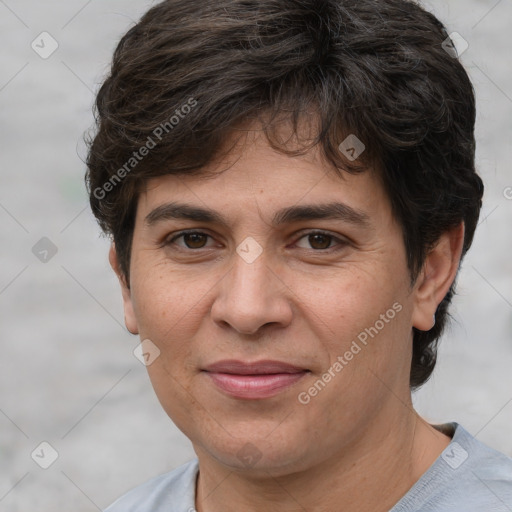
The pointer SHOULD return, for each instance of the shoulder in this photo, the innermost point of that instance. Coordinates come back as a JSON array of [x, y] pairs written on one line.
[[468, 475], [467, 456], [165, 493]]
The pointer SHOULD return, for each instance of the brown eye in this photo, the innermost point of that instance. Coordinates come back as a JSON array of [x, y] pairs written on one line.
[[319, 241], [195, 240], [189, 240]]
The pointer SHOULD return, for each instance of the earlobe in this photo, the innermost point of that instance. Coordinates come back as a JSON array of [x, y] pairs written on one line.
[[129, 313], [436, 277]]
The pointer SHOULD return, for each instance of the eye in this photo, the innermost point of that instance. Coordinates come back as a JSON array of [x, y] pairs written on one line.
[[191, 239], [320, 240], [317, 240]]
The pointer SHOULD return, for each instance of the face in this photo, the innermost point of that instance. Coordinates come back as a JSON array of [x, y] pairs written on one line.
[[278, 299]]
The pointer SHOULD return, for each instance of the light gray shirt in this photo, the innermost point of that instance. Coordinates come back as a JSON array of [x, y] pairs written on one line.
[[467, 477]]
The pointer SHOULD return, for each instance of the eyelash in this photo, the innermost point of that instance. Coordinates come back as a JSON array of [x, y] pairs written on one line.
[[341, 242]]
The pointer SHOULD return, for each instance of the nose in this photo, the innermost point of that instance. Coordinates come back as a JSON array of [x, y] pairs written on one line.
[[251, 296]]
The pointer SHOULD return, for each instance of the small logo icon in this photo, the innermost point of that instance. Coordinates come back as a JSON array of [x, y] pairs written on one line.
[[44, 250], [44, 45], [454, 455], [455, 45], [44, 455], [249, 249], [249, 455], [352, 147], [146, 352], [507, 193]]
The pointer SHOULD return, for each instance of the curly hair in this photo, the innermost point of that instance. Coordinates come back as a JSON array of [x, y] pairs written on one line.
[[189, 72]]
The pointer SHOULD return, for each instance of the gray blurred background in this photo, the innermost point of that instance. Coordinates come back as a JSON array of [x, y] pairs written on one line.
[[68, 376]]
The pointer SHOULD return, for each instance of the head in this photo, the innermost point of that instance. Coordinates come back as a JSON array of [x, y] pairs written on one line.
[[249, 108]]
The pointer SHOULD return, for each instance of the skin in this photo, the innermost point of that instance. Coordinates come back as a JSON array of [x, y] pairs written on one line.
[[358, 444]]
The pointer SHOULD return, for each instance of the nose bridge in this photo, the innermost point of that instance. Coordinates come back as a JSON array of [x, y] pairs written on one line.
[[249, 296]]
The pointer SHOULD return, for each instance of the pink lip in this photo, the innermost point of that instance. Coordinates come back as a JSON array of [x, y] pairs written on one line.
[[251, 381]]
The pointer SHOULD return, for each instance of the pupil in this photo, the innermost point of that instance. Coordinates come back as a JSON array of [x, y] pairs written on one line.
[[316, 238], [193, 240]]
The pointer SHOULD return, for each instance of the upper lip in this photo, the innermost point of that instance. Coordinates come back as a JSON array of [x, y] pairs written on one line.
[[265, 367]]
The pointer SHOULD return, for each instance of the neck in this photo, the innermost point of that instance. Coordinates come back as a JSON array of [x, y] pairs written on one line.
[[377, 470]]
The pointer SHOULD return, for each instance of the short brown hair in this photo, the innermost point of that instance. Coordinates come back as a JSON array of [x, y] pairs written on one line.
[[378, 69]]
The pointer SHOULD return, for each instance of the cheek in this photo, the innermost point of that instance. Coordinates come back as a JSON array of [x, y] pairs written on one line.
[[166, 302], [369, 332], [169, 314], [176, 394], [354, 303]]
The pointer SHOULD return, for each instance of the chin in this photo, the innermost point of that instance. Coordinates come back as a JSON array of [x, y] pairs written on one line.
[[258, 456]]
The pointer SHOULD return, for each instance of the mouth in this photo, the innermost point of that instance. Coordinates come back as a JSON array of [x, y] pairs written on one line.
[[253, 381]]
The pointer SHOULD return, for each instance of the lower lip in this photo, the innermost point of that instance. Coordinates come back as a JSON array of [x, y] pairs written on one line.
[[253, 387]]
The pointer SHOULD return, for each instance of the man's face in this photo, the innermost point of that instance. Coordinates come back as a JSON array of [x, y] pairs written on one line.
[[330, 296]]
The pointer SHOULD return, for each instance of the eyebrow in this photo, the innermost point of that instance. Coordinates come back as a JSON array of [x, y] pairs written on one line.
[[328, 211]]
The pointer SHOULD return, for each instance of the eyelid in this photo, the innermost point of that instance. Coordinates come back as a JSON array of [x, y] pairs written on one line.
[[342, 241], [179, 234]]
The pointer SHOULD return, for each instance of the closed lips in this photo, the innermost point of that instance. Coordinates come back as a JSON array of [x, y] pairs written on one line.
[[253, 381], [266, 367]]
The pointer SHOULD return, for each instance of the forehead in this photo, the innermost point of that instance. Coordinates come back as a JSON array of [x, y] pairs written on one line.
[[252, 172]]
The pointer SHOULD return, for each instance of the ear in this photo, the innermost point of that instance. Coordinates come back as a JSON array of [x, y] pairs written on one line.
[[436, 277], [129, 314]]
